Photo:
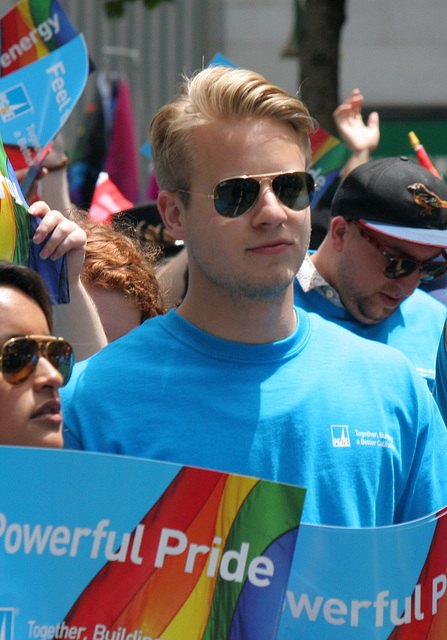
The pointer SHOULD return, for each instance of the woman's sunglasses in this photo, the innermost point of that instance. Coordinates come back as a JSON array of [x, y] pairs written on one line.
[[19, 357], [400, 267], [234, 196]]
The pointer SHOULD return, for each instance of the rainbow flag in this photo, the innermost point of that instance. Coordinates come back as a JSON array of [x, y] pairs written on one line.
[[329, 154], [15, 223], [16, 230], [205, 591]]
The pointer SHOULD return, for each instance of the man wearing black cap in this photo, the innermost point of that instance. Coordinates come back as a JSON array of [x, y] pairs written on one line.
[[387, 234]]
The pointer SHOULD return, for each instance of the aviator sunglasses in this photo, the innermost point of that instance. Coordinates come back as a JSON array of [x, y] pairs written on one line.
[[400, 267], [234, 196], [19, 357]]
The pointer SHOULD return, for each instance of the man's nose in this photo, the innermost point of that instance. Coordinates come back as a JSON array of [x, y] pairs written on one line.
[[268, 210], [407, 284]]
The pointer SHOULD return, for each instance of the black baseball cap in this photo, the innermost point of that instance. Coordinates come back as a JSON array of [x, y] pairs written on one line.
[[396, 197]]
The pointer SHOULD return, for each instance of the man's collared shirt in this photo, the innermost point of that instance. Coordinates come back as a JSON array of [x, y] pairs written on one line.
[[309, 279]]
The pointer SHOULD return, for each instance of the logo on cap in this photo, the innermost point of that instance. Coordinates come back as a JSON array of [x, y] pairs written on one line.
[[426, 198]]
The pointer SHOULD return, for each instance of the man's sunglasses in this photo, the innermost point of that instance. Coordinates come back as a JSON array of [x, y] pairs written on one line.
[[19, 357], [234, 196], [401, 267]]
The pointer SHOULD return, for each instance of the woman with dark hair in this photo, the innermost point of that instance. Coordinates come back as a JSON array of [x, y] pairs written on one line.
[[33, 363], [30, 282]]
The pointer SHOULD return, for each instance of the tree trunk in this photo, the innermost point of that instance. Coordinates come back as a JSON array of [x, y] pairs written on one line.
[[319, 54]]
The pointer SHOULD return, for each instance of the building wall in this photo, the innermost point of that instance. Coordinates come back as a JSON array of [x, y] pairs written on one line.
[[393, 50], [256, 32]]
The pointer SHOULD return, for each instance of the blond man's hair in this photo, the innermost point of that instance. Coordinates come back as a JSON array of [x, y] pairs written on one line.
[[217, 93]]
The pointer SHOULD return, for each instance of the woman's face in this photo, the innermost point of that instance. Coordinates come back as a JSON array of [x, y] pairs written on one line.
[[30, 412]]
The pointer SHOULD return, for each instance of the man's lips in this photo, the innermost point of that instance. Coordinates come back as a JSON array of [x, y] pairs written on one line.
[[272, 248], [391, 301]]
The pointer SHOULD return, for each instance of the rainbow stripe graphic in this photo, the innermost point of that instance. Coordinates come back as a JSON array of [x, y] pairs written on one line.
[[432, 626], [221, 513], [329, 154], [31, 30]]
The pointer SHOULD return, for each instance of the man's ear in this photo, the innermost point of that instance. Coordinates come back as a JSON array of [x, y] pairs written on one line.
[[172, 212], [340, 233]]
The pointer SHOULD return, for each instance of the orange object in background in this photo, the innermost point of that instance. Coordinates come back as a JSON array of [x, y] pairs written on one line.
[[422, 155]]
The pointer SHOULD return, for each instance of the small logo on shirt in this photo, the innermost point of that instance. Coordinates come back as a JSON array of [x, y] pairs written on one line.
[[6, 624], [14, 102], [340, 435]]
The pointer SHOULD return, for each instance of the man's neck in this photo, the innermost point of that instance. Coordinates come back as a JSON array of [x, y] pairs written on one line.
[[244, 321]]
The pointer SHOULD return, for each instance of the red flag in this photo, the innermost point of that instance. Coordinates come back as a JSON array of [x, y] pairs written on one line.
[[107, 200]]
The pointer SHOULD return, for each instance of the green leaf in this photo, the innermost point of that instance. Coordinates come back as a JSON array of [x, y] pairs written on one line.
[[116, 8]]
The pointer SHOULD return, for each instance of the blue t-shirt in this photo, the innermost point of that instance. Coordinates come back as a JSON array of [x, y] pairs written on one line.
[[440, 390], [414, 328], [347, 418]]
